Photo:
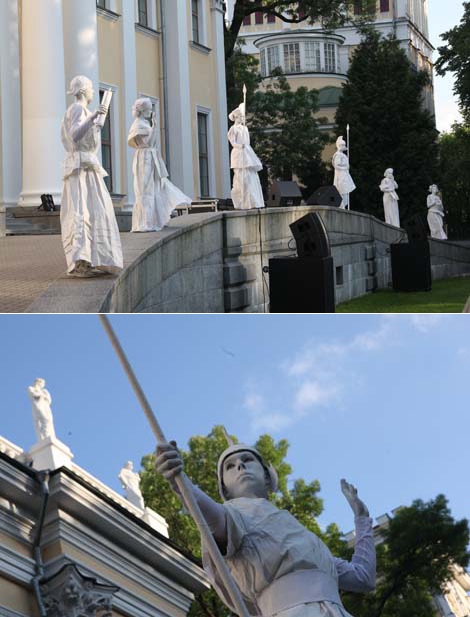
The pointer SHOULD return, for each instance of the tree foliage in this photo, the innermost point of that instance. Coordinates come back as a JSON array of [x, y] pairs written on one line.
[[455, 180], [331, 13], [286, 134], [454, 58], [200, 462], [419, 547], [382, 102]]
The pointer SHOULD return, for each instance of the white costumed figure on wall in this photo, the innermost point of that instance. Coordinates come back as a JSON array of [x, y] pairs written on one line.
[[155, 196], [42, 414], [246, 191], [436, 214], [388, 187], [90, 233], [130, 481], [342, 180]]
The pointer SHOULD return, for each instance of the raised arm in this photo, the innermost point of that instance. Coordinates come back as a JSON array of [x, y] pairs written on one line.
[[170, 464], [359, 573]]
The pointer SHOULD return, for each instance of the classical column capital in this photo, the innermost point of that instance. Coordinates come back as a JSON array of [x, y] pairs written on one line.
[[70, 594]]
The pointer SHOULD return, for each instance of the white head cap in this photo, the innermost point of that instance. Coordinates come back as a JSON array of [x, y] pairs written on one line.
[[239, 111], [340, 141], [389, 170], [79, 84], [141, 106], [240, 447]]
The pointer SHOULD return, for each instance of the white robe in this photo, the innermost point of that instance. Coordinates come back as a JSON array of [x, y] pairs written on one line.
[[390, 199], [246, 191], [342, 179], [436, 217], [155, 196], [88, 223]]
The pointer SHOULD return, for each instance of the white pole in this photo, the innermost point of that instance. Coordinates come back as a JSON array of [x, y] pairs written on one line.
[[181, 480], [347, 146], [243, 147]]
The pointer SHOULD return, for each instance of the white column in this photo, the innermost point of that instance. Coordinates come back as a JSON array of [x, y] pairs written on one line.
[[219, 50], [43, 99], [176, 41], [129, 89], [81, 44], [10, 106]]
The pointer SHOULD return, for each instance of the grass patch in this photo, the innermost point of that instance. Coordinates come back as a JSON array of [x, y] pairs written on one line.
[[446, 296]]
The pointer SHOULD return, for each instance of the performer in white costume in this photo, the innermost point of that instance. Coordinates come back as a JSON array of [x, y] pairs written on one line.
[[130, 482], [436, 214], [388, 187], [280, 567], [42, 414], [90, 234], [246, 191], [155, 196], [342, 179]]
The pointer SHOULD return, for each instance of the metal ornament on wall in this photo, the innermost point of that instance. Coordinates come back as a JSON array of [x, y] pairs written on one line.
[[70, 594]]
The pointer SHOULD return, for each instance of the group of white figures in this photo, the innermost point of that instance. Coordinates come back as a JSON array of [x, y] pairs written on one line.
[[345, 185], [44, 428], [90, 233]]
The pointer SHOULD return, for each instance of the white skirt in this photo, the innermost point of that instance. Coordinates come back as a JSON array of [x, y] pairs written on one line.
[[152, 210], [436, 225], [246, 192], [88, 223], [391, 212], [315, 609]]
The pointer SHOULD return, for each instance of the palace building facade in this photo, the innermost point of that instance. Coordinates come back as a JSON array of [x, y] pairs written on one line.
[[312, 57], [171, 51]]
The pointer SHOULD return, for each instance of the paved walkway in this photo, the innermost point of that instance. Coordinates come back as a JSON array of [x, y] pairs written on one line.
[[28, 265]]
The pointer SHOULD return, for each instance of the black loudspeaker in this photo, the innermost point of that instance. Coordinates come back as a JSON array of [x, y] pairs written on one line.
[[311, 237], [301, 285], [325, 196], [411, 266], [47, 203], [416, 229], [283, 193]]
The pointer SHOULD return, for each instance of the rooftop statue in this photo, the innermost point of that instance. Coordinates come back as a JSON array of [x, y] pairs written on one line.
[[130, 481], [42, 414]]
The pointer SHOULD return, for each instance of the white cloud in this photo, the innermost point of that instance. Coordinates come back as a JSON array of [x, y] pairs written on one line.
[[312, 393], [426, 321]]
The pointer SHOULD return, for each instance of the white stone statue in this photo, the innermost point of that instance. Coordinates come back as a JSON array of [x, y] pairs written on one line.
[[281, 568], [436, 214], [156, 197], [90, 234], [130, 481], [42, 414], [388, 187], [246, 191], [342, 179]]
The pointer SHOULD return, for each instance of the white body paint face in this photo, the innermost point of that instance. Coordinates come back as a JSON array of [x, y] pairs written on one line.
[[244, 476]]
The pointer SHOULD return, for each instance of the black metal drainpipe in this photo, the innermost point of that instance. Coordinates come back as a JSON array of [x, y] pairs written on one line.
[[43, 477]]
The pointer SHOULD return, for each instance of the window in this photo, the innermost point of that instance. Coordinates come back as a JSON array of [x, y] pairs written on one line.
[[247, 20], [195, 20], [272, 58], [312, 57], [143, 18], [258, 17], [203, 154], [106, 149], [101, 4], [263, 63], [291, 58], [271, 19], [384, 6], [330, 58]]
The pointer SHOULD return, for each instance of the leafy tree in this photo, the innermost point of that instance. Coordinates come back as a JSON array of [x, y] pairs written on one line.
[[419, 547], [454, 57], [241, 69], [200, 462], [285, 133], [455, 179], [332, 13], [382, 102]]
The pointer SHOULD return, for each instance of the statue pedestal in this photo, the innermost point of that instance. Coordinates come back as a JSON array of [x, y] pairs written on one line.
[[50, 454], [155, 521]]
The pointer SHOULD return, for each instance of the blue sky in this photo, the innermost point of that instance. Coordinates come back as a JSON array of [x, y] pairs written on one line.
[[444, 15], [380, 400]]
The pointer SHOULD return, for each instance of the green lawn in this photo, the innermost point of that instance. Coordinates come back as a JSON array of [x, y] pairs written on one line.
[[446, 296]]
